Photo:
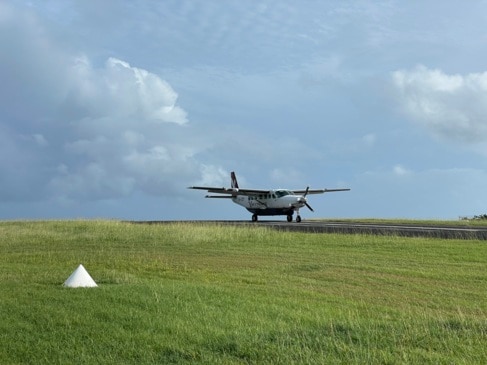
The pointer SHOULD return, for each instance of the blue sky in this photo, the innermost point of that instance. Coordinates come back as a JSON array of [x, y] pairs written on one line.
[[111, 109]]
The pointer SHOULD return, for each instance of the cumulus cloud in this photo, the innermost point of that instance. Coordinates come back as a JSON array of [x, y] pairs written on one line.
[[120, 90], [451, 106], [119, 120], [72, 130]]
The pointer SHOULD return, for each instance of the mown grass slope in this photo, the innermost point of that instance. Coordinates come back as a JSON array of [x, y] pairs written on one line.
[[210, 294]]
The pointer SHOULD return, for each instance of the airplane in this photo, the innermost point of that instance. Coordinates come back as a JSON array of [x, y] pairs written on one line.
[[266, 202]]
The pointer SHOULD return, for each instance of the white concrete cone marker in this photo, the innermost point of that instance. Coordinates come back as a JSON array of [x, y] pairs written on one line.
[[80, 279]]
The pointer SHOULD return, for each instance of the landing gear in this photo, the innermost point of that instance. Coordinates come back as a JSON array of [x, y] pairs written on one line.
[[298, 217], [290, 218]]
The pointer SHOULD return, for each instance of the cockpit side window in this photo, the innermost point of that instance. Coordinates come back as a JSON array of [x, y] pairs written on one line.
[[281, 193]]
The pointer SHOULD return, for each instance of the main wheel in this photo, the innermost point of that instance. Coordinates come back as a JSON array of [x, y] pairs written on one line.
[[298, 218], [254, 217], [290, 218]]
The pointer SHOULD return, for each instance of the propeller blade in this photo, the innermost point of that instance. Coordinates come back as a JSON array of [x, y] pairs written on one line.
[[309, 207], [306, 192]]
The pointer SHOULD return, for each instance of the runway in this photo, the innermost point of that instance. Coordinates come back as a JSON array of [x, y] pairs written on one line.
[[350, 227], [406, 230]]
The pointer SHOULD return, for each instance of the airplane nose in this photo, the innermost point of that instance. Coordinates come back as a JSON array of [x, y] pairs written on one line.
[[303, 201]]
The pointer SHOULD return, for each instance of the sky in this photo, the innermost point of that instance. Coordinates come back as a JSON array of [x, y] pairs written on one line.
[[112, 109]]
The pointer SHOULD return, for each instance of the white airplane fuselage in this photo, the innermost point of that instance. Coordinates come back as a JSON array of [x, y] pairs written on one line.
[[276, 202]]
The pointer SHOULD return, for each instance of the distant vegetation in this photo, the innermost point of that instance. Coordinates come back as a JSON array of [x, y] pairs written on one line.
[[209, 294], [481, 217]]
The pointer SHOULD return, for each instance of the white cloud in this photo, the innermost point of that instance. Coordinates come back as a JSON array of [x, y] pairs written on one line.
[[214, 176], [75, 131], [149, 93], [120, 140], [121, 91], [451, 106]]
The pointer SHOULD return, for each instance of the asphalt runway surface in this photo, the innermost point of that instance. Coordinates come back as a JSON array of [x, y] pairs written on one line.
[[406, 230]]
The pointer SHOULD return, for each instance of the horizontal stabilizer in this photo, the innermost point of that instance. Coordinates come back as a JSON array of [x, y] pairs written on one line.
[[219, 196]]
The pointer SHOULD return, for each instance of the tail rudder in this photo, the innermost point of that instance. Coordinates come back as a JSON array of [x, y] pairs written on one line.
[[234, 180]]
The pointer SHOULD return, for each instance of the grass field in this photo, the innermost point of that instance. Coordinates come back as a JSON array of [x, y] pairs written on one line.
[[209, 294]]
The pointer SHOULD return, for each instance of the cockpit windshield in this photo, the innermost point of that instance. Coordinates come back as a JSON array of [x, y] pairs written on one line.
[[281, 193]]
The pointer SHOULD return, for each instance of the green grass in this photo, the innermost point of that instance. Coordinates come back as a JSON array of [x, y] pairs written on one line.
[[210, 294]]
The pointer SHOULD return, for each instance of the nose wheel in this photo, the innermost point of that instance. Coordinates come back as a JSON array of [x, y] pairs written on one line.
[[298, 217], [254, 217]]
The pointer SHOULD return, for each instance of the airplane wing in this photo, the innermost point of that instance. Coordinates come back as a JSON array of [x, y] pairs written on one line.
[[318, 191], [231, 191]]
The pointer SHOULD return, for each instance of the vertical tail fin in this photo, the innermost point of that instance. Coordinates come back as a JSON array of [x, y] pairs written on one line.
[[234, 180]]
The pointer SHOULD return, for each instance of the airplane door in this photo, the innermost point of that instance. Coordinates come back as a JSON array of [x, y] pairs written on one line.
[[273, 201]]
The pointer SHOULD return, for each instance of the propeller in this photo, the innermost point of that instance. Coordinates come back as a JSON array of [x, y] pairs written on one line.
[[305, 202], [309, 207]]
